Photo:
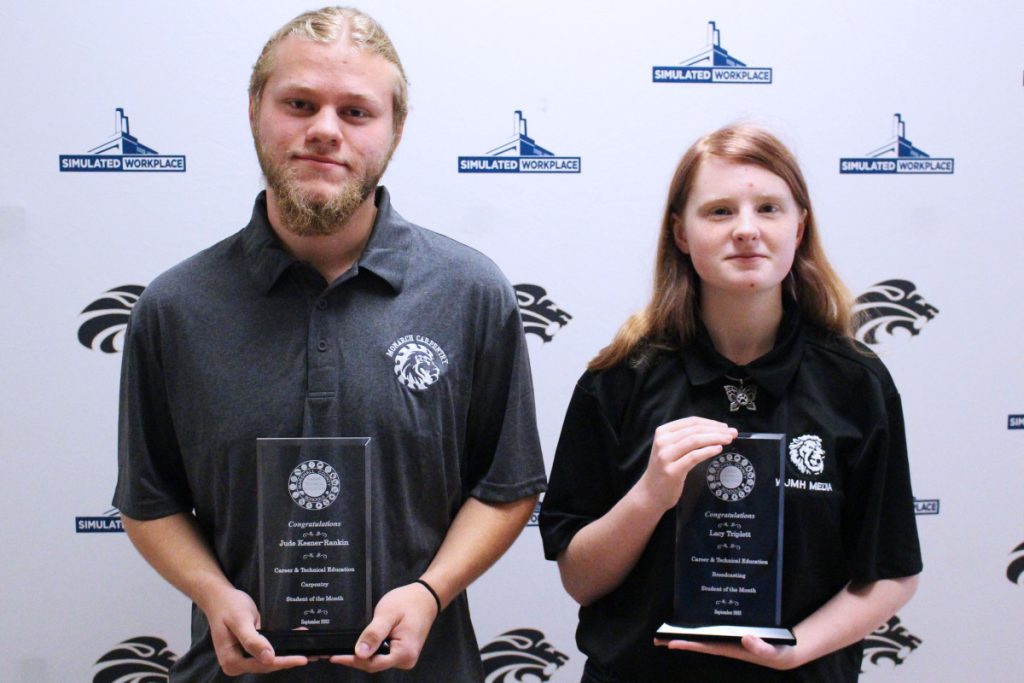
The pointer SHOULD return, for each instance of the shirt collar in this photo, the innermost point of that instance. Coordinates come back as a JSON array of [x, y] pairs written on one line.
[[772, 371], [386, 255]]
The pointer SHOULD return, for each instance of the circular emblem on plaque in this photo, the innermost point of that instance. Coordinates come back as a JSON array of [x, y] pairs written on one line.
[[314, 485], [731, 477]]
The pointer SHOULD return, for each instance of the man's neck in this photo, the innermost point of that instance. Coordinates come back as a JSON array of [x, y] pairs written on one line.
[[332, 255], [742, 328]]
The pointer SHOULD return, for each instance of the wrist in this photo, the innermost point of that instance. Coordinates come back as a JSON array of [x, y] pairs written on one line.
[[433, 594], [645, 499], [208, 590]]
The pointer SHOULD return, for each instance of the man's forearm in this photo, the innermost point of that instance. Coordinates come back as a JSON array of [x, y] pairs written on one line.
[[480, 534], [175, 547]]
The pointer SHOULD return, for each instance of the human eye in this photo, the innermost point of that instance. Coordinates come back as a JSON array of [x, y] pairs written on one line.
[[719, 211], [354, 113], [299, 105], [770, 208]]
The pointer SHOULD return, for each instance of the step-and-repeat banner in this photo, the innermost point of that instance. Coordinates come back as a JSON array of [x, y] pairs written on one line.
[[543, 134]]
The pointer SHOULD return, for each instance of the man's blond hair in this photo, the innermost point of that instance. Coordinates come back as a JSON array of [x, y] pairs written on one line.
[[330, 25]]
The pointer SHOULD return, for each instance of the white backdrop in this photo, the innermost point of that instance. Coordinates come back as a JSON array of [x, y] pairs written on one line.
[[581, 74]]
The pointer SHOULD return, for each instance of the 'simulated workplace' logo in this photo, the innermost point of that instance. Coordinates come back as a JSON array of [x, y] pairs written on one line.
[[540, 315], [713, 64], [122, 153], [1015, 570], [891, 641], [520, 655], [535, 515], [143, 659], [898, 155], [519, 154], [105, 320], [1015, 422], [890, 306], [926, 506], [107, 523]]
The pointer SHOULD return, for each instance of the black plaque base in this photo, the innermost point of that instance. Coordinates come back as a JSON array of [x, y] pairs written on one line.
[[317, 643], [731, 632]]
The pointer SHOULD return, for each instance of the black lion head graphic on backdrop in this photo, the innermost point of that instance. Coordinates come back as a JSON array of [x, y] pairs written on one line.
[[518, 654], [889, 306], [105, 320], [540, 315], [143, 659], [1016, 567], [890, 641]]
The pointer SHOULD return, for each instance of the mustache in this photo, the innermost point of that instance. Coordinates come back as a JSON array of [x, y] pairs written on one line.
[[319, 155]]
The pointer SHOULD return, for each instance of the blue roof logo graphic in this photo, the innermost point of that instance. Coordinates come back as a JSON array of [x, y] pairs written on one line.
[[713, 64], [122, 141], [122, 152], [897, 156], [519, 154], [520, 144], [898, 145], [713, 54]]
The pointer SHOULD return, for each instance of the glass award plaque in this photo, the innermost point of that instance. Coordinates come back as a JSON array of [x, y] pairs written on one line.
[[728, 565], [313, 501]]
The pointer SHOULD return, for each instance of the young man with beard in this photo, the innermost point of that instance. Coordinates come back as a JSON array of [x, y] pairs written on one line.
[[323, 317]]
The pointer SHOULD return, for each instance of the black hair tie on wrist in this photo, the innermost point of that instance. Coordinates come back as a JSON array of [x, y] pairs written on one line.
[[433, 593]]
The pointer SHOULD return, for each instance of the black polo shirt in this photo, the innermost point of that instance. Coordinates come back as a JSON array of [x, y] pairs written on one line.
[[849, 508], [418, 346]]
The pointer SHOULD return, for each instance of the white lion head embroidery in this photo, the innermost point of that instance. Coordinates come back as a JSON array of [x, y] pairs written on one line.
[[806, 453], [415, 366]]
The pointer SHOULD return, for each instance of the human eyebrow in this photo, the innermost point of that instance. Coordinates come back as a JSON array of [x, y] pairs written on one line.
[[714, 203], [778, 199]]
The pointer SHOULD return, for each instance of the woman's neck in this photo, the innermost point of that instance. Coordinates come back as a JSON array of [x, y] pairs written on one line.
[[742, 328]]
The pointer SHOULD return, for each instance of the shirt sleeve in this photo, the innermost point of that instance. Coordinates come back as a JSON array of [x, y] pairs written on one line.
[[505, 461], [581, 488], [880, 527], [151, 480]]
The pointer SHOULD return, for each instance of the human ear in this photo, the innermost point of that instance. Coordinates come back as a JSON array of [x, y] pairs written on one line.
[[800, 227], [252, 114], [679, 232]]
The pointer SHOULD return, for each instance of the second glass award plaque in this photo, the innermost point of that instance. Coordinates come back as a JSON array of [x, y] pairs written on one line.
[[313, 498], [728, 574]]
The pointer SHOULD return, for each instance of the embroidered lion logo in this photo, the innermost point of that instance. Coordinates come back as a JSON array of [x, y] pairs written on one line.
[[540, 315], [807, 454], [518, 654], [889, 306], [143, 659], [891, 641], [105, 320], [415, 366]]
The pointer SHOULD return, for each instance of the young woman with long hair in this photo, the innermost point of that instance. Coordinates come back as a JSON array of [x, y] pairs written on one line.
[[748, 330]]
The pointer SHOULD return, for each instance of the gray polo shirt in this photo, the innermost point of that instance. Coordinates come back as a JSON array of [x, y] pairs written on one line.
[[419, 346]]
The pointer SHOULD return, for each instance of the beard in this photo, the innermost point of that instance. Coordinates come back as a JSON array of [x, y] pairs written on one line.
[[308, 215]]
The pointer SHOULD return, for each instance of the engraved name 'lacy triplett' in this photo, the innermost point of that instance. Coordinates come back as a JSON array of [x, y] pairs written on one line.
[[728, 564], [314, 542]]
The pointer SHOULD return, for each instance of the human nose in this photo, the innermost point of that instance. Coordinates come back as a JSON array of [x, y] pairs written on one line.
[[746, 227], [324, 128]]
